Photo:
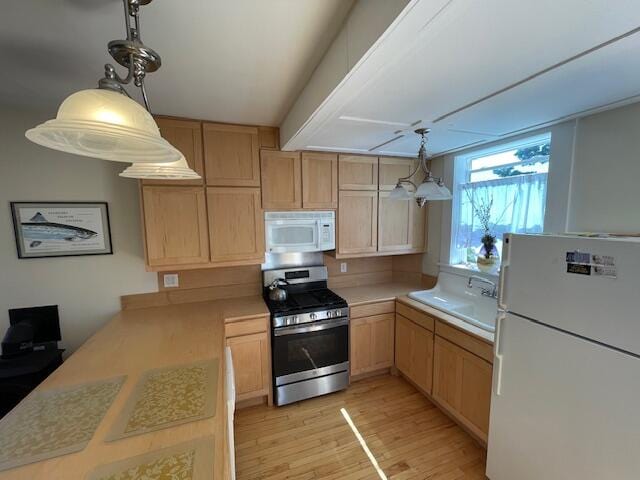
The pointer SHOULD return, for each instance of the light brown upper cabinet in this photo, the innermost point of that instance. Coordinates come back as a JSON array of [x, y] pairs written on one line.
[[357, 172], [236, 226], [401, 225], [357, 222], [269, 137], [175, 225], [231, 155], [281, 179], [319, 180], [393, 168], [186, 136]]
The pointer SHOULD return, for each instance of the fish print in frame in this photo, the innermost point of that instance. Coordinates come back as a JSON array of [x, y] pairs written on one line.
[[60, 229]]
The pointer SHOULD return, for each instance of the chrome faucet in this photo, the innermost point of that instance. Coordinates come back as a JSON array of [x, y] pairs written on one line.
[[487, 292]]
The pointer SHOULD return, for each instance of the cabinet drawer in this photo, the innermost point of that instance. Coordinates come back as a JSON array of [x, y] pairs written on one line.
[[372, 309], [420, 318], [245, 327], [464, 340]]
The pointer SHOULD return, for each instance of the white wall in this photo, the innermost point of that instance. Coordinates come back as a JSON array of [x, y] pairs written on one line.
[[592, 186], [87, 289], [605, 192]]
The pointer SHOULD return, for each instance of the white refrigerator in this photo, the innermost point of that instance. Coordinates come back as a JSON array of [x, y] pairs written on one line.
[[566, 380]]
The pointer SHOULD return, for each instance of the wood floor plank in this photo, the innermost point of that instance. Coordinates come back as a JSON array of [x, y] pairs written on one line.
[[408, 436]]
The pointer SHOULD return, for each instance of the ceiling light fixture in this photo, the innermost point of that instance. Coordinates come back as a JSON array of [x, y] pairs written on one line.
[[431, 189], [106, 122]]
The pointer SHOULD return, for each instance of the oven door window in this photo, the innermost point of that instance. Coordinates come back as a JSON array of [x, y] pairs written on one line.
[[307, 351]]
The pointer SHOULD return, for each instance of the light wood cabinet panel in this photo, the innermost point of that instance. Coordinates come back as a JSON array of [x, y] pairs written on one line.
[[357, 172], [319, 180], [401, 225], [462, 385], [395, 224], [231, 155], [393, 168], [357, 222], [175, 225], [186, 136], [250, 354], [236, 225], [414, 352], [372, 343], [269, 137], [281, 179]]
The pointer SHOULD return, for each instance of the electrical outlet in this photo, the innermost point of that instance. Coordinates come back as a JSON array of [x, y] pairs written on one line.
[[343, 267], [171, 280]]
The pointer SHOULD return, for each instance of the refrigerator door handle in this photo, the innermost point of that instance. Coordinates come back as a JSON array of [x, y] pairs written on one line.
[[504, 266], [498, 359]]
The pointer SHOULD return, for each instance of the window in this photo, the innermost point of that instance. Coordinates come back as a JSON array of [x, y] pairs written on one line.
[[509, 183]]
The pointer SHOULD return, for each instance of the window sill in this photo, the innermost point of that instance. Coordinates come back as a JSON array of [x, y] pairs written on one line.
[[466, 270]]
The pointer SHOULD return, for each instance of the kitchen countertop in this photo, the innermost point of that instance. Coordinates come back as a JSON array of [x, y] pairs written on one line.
[[131, 343], [398, 290], [364, 294]]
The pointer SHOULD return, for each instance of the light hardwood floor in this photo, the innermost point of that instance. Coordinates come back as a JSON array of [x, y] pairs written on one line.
[[405, 433]]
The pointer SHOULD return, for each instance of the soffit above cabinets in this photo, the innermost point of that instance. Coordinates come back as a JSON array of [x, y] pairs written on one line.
[[475, 72], [236, 61]]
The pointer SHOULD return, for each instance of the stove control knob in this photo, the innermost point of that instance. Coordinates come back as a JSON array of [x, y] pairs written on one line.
[[294, 319], [329, 314], [312, 316], [337, 313]]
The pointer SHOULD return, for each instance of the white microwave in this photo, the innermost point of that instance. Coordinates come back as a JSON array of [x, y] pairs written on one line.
[[287, 232]]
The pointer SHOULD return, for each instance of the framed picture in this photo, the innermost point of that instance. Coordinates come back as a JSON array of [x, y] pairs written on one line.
[[61, 229]]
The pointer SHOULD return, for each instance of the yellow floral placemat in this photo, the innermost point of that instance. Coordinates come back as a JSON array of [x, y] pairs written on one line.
[[169, 396], [54, 422], [191, 460]]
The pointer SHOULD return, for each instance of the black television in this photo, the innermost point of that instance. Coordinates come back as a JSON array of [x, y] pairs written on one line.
[[44, 320]]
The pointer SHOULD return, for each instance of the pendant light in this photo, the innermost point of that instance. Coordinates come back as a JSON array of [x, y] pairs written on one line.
[[161, 171], [430, 189], [106, 123]]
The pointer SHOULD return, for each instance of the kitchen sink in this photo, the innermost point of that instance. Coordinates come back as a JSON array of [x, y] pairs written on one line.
[[452, 295]]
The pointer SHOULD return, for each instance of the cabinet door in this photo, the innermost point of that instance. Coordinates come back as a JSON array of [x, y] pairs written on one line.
[[382, 340], [357, 222], [393, 168], [462, 383], [357, 172], [360, 341], [395, 224], [319, 180], [250, 354], [422, 357], [186, 136], [236, 226], [403, 345], [175, 225], [231, 155], [281, 184], [269, 137]]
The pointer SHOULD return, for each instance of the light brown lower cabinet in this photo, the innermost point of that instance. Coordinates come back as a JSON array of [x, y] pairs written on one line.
[[414, 352], [462, 385], [251, 358], [372, 343]]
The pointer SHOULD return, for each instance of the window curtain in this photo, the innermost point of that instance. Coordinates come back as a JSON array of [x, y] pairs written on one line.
[[518, 205]]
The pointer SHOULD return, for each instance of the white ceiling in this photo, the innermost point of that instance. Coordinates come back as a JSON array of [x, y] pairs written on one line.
[[240, 61], [476, 71]]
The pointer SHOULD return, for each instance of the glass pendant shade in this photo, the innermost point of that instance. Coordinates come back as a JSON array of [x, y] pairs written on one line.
[[445, 193], [161, 171], [107, 125], [428, 190], [400, 193]]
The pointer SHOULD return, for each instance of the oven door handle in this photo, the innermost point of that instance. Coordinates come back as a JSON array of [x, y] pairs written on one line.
[[314, 327]]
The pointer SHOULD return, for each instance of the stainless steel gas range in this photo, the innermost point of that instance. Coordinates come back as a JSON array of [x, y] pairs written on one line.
[[309, 335]]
